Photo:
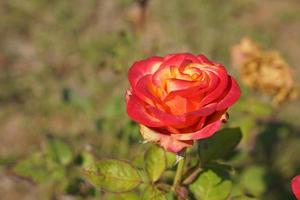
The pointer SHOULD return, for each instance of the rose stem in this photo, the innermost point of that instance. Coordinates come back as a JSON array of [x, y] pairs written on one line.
[[179, 172]]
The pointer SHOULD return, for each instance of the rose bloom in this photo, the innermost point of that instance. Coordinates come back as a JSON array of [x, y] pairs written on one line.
[[179, 98], [296, 186]]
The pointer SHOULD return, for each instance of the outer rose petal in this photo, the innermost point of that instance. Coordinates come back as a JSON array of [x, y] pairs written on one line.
[[176, 58], [295, 183], [142, 68], [164, 140], [136, 110], [203, 60], [232, 95], [205, 132], [181, 121]]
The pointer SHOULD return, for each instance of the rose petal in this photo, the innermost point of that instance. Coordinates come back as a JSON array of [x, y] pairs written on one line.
[[231, 96], [142, 68], [203, 111], [205, 132], [181, 121], [166, 118], [295, 183], [191, 92], [136, 109], [177, 84], [142, 90], [164, 140], [204, 60], [221, 73], [178, 105], [173, 145], [176, 60]]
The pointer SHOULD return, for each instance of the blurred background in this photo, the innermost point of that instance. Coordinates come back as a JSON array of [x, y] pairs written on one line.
[[63, 76]]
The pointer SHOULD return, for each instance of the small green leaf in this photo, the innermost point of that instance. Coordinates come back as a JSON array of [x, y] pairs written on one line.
[[122, 196], [253, 180], [59, 151], [87, 159], [219, 145], [171, 159], [36, 168], [152, 193], [211, 186], [32, 167], [113, 175], [243, 198], [155, 162], [170, 196]]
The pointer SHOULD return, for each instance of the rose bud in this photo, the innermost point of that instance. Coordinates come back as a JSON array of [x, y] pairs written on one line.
[[179, 98], [295, 183]]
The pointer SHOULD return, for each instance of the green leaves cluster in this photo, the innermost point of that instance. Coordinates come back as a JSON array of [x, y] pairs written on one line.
[[149, 179], [215, 182], [56, 164], [120, 176], [48, 164], [208, 179]]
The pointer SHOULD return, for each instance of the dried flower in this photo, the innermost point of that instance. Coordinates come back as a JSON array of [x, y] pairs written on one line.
[[265, 71]]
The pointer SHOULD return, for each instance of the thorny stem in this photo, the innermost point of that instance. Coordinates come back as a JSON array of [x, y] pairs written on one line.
[[179, 172]]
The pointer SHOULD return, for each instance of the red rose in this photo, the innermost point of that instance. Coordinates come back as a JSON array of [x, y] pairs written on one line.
[[296, 186], [179, 98]]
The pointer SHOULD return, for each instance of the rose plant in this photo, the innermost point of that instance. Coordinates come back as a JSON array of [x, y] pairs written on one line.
[[178, 100]]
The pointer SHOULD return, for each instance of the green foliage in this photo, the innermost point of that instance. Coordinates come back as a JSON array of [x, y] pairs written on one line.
[[47, 165], [86, 159], [113, 175], [59, 151], [243, 198], [152, 193], [171, 159], [155, 162], [253, 180], [211, 186], [219, 145], [122, 196], [35, 168]]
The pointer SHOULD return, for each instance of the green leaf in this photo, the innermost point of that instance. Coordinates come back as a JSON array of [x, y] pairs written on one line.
[[87, 159], [59, 151], [155, 162], [122, 196], [170, 196], [211, 186], [113, 175], [253, 180], [243, 198], [152, 193], [171, 159], [219, 145], [36, 168], [129, 196], [32, 167]]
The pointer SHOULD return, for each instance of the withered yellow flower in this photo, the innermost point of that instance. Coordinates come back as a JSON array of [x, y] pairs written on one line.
[[265, 71]]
